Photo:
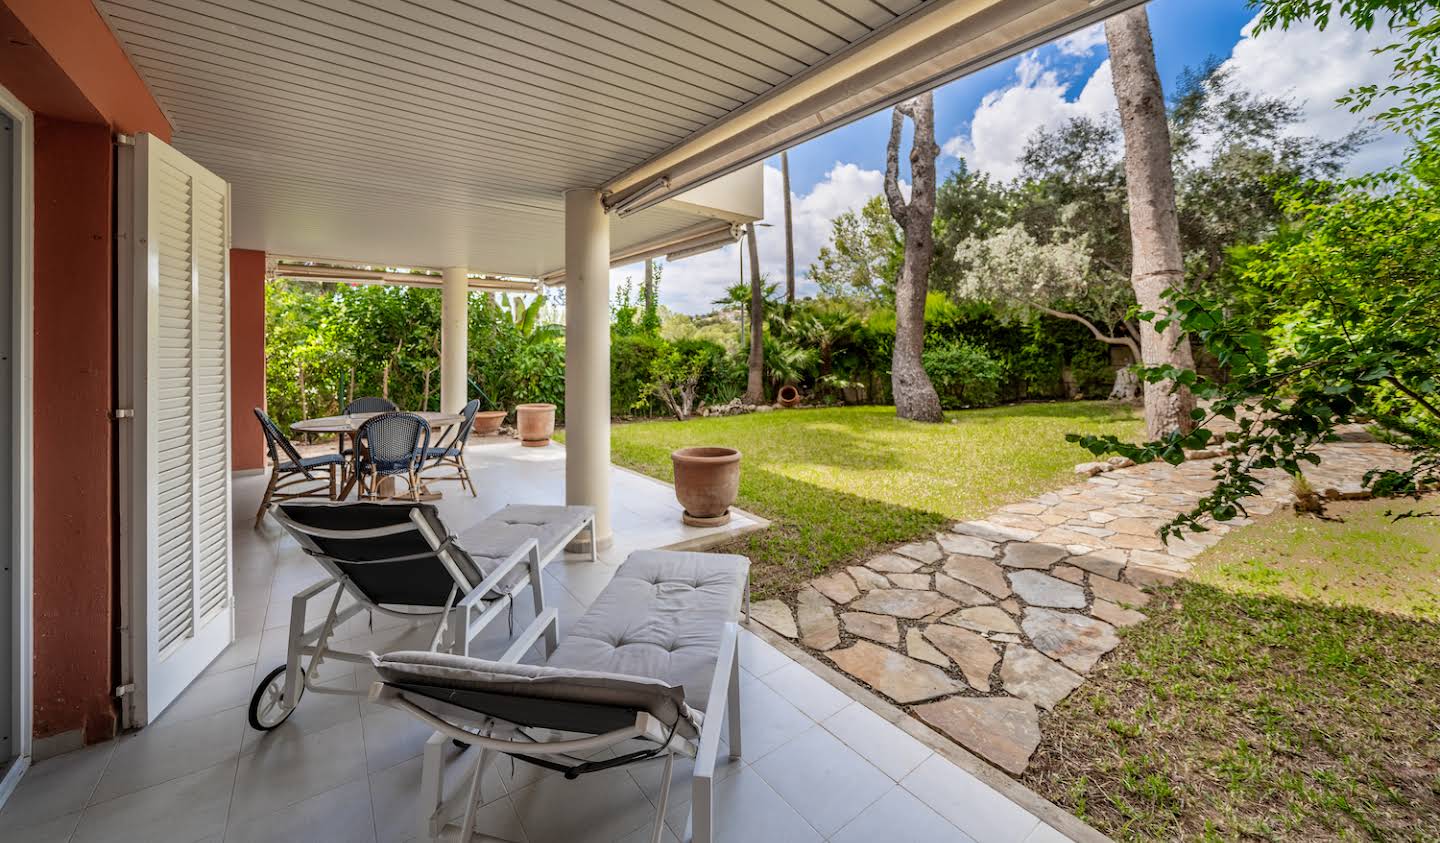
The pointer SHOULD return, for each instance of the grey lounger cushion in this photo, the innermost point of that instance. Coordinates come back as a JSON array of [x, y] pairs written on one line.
[[649, 642], [493, 540]]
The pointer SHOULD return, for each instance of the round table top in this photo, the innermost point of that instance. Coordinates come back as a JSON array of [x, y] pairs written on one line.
[[351, 423]]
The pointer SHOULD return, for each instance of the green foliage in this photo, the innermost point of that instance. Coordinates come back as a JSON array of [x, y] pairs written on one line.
[[963, 374], [1350, 330], [677, 373], [864, 255]]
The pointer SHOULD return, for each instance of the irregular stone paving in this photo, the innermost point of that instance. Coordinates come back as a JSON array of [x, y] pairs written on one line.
[[998, 620]]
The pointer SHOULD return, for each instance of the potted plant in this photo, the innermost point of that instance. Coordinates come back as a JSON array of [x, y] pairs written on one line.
[[536, 423], [487, 422], [788, 396], [707, 478]]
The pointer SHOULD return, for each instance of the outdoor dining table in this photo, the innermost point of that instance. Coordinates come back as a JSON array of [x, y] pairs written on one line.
[[349, 425]]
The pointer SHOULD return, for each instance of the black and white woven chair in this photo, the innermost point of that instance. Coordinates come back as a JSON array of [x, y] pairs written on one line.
[[288, 469], [399, 559], [449, 457], [390, 445], [370, 404]]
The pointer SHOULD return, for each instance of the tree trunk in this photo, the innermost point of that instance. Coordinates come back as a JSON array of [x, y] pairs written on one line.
[[648, 290], [755, 382], [789, 231], [1156, 264], [915, 396]]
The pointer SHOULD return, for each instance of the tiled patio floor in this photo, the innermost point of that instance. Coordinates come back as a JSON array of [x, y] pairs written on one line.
[[818, 765]]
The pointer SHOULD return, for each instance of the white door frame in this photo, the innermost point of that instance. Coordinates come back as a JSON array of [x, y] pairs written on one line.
[[22, 493]]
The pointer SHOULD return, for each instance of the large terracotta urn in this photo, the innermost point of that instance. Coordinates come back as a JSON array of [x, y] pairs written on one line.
[[487, 422], [536, 423], [707, 478], [788, 396]]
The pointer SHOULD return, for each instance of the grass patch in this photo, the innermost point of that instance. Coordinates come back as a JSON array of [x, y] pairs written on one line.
[[1290, 691], [841, 483]]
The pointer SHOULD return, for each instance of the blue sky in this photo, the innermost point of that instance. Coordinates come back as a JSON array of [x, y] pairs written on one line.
[[987, 117]]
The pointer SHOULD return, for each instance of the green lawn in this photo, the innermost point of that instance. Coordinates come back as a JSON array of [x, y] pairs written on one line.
[[1291, 691], [841, 483]]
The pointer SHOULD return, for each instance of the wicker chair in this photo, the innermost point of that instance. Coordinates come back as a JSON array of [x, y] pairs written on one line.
[[288, 469], [391, 445], [451, 455], [370, 404]]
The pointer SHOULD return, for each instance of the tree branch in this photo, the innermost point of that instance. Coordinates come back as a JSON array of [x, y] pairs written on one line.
[[898, 209], [1414, 396], [1099, 334]]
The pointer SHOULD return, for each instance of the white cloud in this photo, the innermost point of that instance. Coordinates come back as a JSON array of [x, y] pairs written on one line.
[[1314, 68], [1007, 117], [1082, 42], [691, 284]]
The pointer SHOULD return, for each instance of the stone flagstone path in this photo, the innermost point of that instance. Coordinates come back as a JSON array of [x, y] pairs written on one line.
[[980, 630]]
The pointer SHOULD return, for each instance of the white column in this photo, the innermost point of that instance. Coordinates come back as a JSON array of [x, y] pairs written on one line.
[[454, 298], [587, 357]]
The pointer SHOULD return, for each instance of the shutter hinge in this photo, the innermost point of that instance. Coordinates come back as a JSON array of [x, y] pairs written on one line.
[[122, 413], [124, 140], [122, 690]]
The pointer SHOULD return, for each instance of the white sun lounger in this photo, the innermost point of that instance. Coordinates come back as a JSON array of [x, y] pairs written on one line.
[[655, 660]]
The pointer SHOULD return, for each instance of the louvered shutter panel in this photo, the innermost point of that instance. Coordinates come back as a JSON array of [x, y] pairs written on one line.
[[177, 517]]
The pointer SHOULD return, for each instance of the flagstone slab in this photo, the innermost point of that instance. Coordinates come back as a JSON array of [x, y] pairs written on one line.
[[1064, 536], [776, 616], [926, 552], [815, 617], [837, 586], [901, 678], [1039, 589], [904, 603], [916, 581], [1032, 555], [993, 532], [1105, 562], [967, 545], [1117, 592], [882, 628], [1116, 615], [919, 648], [1002, 730], [1068, 573], [975, 656], [867, 579], [1010, 605], [1022, 522], [981, 573], [1030, 675], [1077, 641], [982, 619], [1137, 526], [1147, 577], [889, 563], [961, 592], [1129, 542]]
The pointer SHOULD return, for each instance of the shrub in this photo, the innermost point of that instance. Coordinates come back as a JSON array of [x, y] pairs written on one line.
[[964, 375], [631, 360]]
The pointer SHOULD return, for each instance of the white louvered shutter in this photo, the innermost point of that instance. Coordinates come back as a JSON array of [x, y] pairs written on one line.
[[177, 455]]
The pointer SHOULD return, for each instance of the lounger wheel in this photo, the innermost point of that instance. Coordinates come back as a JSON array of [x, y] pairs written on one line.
[[267, 706]]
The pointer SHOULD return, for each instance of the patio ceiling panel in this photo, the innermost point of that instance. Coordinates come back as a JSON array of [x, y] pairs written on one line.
[[444, 132]]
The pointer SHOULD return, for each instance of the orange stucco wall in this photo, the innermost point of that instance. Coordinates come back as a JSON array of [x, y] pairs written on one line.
[[247, 357], [74, 449], [61, 60]]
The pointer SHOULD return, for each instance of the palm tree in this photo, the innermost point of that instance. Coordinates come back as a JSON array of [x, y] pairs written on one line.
[[789, 233], [755, 378]]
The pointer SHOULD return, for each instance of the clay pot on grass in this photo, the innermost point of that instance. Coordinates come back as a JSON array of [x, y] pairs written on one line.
[[536, 423], [487, 422], [788, 396], [707, 479]]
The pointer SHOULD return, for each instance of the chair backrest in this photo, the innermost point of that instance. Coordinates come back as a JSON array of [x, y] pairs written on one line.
[[467, 424], [370, 404], [393, 443], [275, 439], [393, 553]]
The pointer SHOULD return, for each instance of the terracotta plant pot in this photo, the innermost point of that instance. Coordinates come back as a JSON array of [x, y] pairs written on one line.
[[536, 423], [487, 422], [706, 482], [788, 396]]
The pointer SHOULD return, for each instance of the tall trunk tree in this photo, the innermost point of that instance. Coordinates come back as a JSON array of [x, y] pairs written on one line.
[[647, 291], [755, 381], [1157, 263], [789, 231], [915, 396]]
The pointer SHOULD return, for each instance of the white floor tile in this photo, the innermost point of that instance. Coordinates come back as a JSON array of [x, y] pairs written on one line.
[[758, 656], [599, 806], [183, 810], [767, 721], [280, 774], [55, 787], [747, 810], [877, 740], [1045, 834], [57, 830], [899, 817], [342, 815], [823, 779], [814, 696], [315, 713], [969, 803], [166, 751], [210, 695]]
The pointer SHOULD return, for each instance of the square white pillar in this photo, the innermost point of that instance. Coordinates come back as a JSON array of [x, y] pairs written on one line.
[[587, 357]]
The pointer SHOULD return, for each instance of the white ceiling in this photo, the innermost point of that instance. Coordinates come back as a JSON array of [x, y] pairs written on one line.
[[439, 132]]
